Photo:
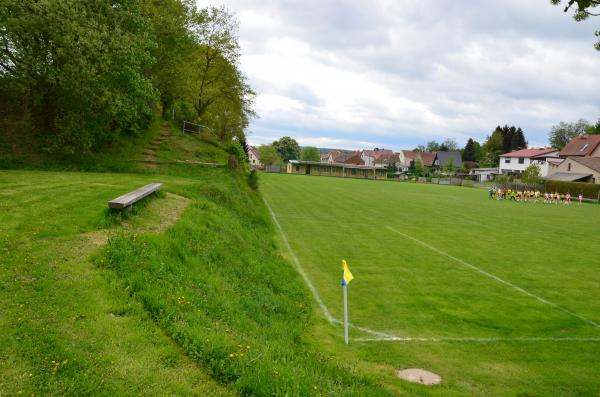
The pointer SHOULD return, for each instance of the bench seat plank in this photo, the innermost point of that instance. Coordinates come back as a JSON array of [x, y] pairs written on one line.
[[128, 199]]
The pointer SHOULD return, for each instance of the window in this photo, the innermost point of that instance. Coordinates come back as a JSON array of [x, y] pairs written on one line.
[[569, 167], [507, 161], [521, 160], [297, 168], [584, 147]]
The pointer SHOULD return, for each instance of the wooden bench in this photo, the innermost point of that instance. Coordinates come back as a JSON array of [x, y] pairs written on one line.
[[127, 200]]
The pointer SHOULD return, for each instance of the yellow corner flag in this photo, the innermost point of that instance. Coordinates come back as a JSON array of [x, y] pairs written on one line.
[[347, 276]]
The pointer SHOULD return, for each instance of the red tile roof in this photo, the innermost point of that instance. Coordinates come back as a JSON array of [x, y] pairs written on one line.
[[427, 158], [378, 153], [583, 145], [356, 160], [529, 153]]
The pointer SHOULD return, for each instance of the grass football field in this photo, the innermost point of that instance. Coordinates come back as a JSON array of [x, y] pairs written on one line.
[[499, 298]]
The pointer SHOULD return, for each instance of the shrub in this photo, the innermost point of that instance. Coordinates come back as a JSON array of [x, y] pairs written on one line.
[[589, 190], [236, 150], [253, 180]]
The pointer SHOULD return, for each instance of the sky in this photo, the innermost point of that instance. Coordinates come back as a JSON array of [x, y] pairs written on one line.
[[398, 73]]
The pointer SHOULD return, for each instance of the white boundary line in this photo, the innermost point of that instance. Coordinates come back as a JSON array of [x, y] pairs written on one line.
[[498, 279], [481, 339], [384, 337]]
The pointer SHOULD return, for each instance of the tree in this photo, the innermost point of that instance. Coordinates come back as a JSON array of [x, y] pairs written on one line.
[[594, 129], [432, 146], [391, 170], [287, 148], [85, 78], [269, 155], [419, 168], [562, 133], [518, 141], [449, 145], [585, 9], [224, 99], [310, 153], [494, 147], [532, 175], [449, 167], [468, 153], [420, 148], [479, 152]]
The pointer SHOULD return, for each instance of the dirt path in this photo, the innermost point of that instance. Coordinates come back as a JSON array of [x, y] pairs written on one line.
[[159, 216], [150, 151]]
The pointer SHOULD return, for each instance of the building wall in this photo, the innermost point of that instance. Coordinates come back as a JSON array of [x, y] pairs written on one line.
[[515, 166], [596, 153], [577, 168], [254, 160], [335, 171]]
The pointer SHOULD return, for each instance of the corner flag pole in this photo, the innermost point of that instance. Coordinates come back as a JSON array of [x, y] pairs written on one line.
[[345, 313], [346, 278]]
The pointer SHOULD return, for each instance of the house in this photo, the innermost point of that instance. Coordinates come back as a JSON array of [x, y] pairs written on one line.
[[427, 158], [254, 157], [385, 160], [518, 161], [582, 146], [356, 159], [337, 170], [443, 158], [577, 169], [336, 156], [484, 174], [405, 158], [372, 157]]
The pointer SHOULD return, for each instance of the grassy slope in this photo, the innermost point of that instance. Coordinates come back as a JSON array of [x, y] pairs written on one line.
[[546, 250], [68, 328], [153, 314]]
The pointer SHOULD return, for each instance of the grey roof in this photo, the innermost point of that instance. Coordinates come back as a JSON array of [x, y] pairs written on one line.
[[567, 176], [443, 157]]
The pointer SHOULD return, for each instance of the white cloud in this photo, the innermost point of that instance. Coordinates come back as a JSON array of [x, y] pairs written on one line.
[[396, 73]]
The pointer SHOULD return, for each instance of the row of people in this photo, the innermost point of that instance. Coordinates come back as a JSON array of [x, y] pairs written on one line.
[[534, 196]]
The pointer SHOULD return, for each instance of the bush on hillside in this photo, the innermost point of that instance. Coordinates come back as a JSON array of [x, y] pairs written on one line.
[[253, 180]]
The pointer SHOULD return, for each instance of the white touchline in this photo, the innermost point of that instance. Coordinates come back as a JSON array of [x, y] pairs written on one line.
[[310, 285], [384, 337], [498, 279]]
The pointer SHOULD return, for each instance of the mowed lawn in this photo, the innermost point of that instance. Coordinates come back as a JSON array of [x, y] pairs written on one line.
[[520, 283]]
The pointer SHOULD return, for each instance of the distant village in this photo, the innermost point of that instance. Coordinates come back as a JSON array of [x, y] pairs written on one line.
[[578, 161]]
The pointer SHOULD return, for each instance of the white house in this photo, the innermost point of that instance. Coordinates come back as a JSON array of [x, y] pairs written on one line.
[[517, 162], [254, 157], [484, 174]]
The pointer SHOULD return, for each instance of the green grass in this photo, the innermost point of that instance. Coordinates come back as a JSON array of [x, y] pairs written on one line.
[[406, 289], [67, 327], [207, 307]]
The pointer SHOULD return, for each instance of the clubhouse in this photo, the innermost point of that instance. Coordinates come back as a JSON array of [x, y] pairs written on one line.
[[340, 170]]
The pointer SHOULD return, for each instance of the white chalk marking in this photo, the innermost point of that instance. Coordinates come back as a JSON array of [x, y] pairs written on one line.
[[498, 279], [384, 337]]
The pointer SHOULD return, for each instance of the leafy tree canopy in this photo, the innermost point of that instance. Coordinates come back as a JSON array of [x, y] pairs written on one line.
[[562, 133], [583, 9], [532, 175], [287, 148], [310, 153], [269, 155]]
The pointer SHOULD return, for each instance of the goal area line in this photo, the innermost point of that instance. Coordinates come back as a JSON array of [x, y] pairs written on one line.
[[378, 336]]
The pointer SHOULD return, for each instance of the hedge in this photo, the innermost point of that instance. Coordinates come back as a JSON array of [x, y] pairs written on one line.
[[589, 190]]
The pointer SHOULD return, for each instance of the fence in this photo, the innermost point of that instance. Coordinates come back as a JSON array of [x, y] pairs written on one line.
[[193, 128]]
